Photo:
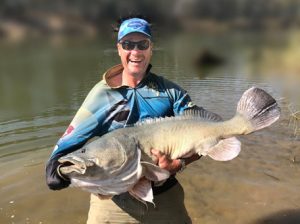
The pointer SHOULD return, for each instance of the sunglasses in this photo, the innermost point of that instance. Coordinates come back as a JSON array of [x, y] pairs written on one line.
[[130, 45]]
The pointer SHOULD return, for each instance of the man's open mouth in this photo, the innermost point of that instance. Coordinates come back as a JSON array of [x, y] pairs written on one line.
[[135, 61]]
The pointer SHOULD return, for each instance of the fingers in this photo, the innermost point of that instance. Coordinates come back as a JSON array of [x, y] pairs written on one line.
[[156, 152], [157, 155], [162, 160]]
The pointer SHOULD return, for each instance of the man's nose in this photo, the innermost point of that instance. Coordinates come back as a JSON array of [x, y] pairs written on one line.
[[135, 50]]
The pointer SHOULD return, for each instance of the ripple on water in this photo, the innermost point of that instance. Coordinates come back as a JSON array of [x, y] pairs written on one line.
[[20, 136]]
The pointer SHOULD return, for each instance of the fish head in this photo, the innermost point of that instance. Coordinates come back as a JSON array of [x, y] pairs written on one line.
[[74, 165], [95, 161]]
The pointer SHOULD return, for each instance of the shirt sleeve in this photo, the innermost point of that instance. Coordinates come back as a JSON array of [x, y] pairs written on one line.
[[87, 122], [180, 98]]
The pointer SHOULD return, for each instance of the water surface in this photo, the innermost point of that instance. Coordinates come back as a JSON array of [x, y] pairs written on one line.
[[43, 83]]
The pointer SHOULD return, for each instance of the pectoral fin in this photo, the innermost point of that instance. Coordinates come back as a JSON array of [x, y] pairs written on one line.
[[153, 172], [226, 149], [142, 191]]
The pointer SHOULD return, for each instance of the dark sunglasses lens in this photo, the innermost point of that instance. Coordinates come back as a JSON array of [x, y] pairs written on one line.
[[141, 45], [128, 45]]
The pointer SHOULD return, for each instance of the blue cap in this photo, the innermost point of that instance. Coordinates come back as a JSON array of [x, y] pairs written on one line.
[[134, 25]]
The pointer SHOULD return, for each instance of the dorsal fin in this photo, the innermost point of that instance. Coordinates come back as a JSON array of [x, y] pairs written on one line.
[[203, 114], [192, 114], [155, 120]]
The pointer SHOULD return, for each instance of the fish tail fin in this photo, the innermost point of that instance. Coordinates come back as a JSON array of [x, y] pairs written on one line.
[[258, 108]]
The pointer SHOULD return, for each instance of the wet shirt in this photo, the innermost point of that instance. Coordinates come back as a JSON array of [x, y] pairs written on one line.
[[109, 106]]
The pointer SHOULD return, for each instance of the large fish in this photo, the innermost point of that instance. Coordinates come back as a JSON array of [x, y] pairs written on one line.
[[121, 160]]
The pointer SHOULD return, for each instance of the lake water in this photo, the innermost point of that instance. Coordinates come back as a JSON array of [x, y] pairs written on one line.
[[43, 83]]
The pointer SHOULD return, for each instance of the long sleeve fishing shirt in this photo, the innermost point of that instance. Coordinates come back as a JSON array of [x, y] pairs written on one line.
[[108, 107]]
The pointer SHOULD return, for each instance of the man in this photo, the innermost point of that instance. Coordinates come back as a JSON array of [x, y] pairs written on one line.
[[127, 94]]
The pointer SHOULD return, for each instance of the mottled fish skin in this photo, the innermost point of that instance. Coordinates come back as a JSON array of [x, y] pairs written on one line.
[[115, 163]]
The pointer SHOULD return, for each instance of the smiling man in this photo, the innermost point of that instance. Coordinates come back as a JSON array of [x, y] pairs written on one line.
[[128, 93], [135, 51]]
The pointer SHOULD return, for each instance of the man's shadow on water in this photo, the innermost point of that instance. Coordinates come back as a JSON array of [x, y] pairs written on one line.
[[291, 216]]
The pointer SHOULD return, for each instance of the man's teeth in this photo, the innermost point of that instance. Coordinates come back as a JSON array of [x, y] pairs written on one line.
[[135, 61]]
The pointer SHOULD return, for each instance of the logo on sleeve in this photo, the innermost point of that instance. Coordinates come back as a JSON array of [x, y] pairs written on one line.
[[69, 130]]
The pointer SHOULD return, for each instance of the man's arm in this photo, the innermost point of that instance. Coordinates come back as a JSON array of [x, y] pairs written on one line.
[[83, 127]]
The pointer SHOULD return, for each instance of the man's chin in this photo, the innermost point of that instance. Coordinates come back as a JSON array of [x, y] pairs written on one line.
[[136, 72]]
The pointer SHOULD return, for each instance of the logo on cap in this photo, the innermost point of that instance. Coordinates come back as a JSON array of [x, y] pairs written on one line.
[[136, 24]]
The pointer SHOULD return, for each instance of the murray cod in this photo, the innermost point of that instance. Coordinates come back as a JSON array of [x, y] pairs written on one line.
[[121, 161]]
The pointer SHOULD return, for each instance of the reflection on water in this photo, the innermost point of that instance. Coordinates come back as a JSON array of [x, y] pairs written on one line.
[[43, 84]]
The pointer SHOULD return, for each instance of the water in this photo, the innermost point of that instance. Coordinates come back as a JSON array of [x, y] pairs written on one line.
[[43, 83]]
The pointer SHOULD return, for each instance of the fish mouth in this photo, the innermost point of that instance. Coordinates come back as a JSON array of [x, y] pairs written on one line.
[[75, 164]]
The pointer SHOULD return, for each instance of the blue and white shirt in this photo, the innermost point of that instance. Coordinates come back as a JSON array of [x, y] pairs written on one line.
[[108, 107]]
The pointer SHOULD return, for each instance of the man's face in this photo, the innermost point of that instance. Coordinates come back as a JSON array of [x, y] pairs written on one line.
[[135, 61]]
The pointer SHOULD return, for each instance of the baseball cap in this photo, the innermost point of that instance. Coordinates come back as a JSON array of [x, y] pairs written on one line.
[[134, 25]]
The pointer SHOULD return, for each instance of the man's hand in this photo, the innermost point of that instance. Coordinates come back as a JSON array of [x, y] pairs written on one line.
[[173, 166], [55, 180], [165, 162]]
